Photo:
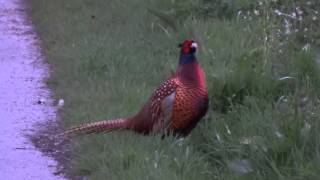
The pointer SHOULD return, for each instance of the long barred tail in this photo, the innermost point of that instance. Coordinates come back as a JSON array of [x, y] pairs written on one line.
[[96, 127]]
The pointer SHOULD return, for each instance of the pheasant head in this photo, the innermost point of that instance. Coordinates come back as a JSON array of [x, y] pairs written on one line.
[[188, 50]]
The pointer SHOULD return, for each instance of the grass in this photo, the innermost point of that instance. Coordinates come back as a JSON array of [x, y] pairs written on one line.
[[107, 57]]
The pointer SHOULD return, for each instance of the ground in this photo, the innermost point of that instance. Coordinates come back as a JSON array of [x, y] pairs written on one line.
[[22, 76]]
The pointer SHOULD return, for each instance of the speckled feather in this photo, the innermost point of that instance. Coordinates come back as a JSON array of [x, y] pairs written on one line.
[[189, 107], [162, 105]]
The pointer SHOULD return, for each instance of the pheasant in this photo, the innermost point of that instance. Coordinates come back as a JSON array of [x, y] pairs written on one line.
[[175, 107]]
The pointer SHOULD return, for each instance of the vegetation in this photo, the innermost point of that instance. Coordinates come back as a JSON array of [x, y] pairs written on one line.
[[263, 78]]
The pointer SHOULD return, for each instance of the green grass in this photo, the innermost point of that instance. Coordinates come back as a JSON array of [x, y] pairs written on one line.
[[107, 57]]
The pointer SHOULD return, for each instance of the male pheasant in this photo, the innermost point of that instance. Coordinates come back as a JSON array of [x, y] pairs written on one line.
[[175, 107]]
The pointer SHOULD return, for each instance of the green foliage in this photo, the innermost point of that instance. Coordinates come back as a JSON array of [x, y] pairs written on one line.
[[263, 81], [170, 158]]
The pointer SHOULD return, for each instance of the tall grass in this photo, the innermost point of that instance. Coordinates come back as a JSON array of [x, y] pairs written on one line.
[[263, 121]]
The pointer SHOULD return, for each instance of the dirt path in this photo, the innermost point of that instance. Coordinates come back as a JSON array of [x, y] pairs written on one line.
[[21, 86]]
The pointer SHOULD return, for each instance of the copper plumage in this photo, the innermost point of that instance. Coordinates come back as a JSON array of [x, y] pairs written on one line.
[[175, 107]]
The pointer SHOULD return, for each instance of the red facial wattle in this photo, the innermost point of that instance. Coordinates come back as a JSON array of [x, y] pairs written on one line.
[[186, 50], [187, 46]]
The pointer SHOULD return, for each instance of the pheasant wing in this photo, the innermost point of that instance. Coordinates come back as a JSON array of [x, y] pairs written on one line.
[[162, 105]]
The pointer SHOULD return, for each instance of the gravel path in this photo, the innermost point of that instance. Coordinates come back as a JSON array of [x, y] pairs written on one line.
[[22, 73]]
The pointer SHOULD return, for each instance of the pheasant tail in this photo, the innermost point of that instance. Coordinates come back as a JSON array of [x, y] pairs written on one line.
[[96, 127]]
